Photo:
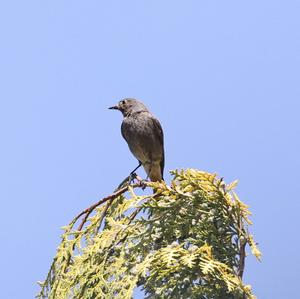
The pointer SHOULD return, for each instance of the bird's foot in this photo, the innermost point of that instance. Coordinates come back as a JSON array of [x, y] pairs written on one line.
[[132, 177], [143, 184]]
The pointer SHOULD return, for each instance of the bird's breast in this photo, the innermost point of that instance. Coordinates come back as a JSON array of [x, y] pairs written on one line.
[[140, 136]]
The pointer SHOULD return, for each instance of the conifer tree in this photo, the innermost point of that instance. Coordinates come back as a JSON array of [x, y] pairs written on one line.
[[187, 240]]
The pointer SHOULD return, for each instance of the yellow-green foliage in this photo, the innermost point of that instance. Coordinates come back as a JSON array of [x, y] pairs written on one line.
[[185, 241]]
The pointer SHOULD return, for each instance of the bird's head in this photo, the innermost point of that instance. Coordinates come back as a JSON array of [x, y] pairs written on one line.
[[128, 106]]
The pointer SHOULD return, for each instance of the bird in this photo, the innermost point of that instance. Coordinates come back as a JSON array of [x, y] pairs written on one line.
[[144, 136]]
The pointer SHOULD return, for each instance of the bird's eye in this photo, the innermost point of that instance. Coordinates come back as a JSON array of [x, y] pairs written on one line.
[[123, 102]]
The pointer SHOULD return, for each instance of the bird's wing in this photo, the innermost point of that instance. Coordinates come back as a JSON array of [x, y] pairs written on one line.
[[160, 136]]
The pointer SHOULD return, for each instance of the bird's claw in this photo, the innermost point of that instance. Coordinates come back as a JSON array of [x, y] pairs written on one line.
[[132, 177], [143, 184]]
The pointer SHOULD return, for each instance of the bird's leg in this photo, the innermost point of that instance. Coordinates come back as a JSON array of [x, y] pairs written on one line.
[[132, 175], [134, 170]]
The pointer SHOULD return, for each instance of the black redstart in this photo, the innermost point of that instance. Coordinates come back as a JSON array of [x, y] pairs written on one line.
[[144, 136]]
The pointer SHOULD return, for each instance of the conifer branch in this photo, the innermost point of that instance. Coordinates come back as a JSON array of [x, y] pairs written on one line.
[[119, 191], [187, 240]]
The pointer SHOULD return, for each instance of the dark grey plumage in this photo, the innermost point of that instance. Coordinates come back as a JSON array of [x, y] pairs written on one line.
[[144, 136]]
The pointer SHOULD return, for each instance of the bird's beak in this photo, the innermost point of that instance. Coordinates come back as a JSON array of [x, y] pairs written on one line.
[[114, 107]]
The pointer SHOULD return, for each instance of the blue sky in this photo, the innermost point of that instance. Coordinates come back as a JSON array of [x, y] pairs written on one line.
[[223, 78]]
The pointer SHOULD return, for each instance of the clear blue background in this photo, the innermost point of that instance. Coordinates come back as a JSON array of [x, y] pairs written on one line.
[[223, 78]]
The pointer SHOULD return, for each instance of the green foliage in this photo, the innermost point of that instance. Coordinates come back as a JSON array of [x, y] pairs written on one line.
[[185, 241]]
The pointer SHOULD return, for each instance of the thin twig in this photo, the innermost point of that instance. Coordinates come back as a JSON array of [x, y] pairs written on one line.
[[120, 190], [89, 210], [131, 218], [242, 259], [243, 243], [103, 215]]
